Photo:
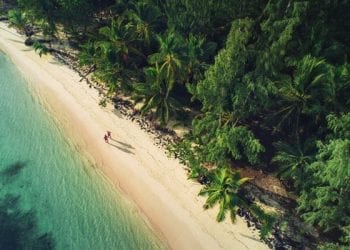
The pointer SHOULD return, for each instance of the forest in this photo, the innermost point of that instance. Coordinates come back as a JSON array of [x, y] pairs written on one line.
[[261, 83]]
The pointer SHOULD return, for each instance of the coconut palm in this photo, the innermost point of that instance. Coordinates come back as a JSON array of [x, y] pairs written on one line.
[[115, 55], [223, 190], [156, 92], [19, 20], [146, 18], [195, 52], [40, 48], [171, 57], [342, 93], [293, 159], [119, 38], [305, 94], [88, 54]]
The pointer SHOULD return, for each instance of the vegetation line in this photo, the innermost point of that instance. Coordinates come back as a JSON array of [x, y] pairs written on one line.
[[264, 84]]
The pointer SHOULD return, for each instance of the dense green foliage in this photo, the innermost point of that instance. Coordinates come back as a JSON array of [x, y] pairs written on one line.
[[269, 80], [324, 200], [224, 191]]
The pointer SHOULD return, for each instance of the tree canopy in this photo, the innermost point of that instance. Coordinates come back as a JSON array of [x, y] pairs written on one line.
[[267, 84]]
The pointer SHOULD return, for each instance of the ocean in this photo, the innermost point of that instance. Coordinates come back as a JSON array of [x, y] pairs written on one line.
[[51, 196]]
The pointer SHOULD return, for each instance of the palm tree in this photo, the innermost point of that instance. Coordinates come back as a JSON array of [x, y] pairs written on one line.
[[88, 54], [171, 57], [146, 18], [40, 48], [116, 55], [195, 53], [119, 37], [156, 92], [223, 190], [17, 19], [20, 21], [293, 159], [49, 29], [305, 94], [342, 82]]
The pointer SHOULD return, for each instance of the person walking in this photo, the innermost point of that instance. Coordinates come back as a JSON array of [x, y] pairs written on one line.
[[106, 138], [109, 134]]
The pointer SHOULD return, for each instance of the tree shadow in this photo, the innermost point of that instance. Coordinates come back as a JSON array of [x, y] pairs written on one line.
[[26, 50], [250, 237], [117, 113], [19, 229], [56, 62], [12, 170], [16, 41]]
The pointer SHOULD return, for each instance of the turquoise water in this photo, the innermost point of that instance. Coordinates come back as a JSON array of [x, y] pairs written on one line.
[[50, 196]]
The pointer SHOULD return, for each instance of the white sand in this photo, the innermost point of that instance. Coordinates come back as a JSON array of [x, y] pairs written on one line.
[[155, 183]]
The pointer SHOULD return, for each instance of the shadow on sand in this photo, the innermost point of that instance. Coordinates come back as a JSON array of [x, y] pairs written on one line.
[[56, 62], [249, 237], [121, 148], [16, 41], [122, 143]]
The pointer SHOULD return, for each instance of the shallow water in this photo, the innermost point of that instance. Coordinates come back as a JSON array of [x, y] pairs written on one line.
[[50, 196]]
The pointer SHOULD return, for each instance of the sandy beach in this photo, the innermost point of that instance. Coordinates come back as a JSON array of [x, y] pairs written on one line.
[[157, 184]]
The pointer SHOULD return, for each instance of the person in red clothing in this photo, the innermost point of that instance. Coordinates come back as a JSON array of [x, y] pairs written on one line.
[[106, 138]]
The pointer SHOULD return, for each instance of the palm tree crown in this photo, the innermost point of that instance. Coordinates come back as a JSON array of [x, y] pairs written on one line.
[[223, 190]]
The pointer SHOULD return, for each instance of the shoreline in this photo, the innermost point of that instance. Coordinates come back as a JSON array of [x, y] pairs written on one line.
[[157, 184]]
